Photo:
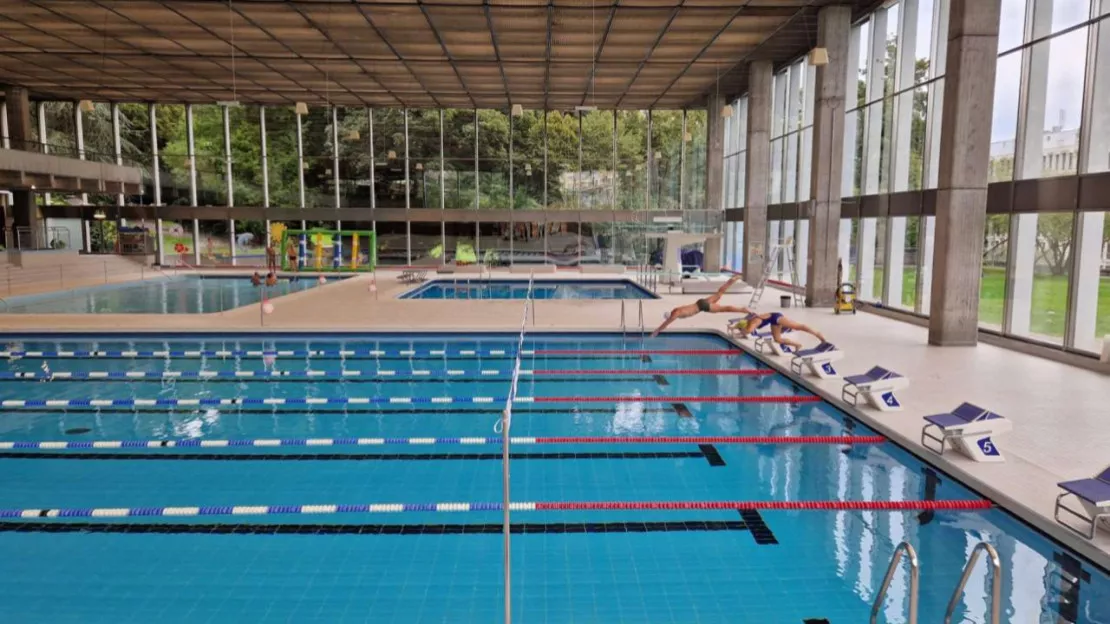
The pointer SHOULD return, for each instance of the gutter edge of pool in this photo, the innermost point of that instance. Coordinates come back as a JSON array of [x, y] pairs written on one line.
[[1029, 516]]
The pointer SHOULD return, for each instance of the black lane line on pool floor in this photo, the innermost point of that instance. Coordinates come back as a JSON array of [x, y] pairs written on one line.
[[760, 531], [159, 456], [711, 455], [374, 529]]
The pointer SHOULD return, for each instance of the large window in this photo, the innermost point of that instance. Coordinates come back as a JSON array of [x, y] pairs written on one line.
[[425, 179], [458, 155], [666, 159], [389, 157], [595, 181], [631, 160], [493, 162]]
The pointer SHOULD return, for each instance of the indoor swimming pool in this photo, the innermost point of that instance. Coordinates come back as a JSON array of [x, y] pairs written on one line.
[[184, 294], [518, 289], [358, 477]]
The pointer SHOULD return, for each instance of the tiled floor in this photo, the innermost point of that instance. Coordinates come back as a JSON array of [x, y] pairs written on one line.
[[1060, 413]]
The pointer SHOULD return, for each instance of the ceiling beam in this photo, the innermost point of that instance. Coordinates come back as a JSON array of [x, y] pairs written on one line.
[[451, 60], [702, 51], [659, 37], [377, 31], [497, 53]]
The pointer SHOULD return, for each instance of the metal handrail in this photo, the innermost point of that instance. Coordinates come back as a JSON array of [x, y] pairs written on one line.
[[905, 548], [996, 583], [623, 331]]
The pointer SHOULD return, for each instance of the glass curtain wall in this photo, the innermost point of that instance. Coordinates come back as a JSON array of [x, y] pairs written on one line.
[[892, 142], [791, 153]]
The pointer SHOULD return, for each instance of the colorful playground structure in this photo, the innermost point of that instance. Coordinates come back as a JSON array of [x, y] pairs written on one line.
[[325, 250]]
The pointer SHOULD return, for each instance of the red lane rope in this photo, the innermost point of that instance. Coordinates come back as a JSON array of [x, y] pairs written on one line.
[[909, 505], [639, 352], [715, 440], [678, 399], [676, 371]]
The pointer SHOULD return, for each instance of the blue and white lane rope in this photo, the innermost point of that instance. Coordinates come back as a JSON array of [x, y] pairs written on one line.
[[250, 401], [404, 400], [194, 353], [411, 441], [316, 374], [271, 510]]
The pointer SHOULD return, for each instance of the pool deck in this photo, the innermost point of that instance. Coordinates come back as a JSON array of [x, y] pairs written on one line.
[[1059, 412]]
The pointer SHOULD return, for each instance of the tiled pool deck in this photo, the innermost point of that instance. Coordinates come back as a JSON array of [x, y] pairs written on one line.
[[1060, 413]]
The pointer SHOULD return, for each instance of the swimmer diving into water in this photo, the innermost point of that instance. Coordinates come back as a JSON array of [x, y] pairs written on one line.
[[709, 304]]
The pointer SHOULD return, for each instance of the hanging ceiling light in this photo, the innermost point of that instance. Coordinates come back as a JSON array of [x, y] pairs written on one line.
[[301, 108], [518, 110], [419, 166], [99, 214], [353, 135], [818, 57], [87, 106], [726, 112], [392, 155]]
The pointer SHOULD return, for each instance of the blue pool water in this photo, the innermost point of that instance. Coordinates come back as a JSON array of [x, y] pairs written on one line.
[[567, 566], [518, 289], [171, 295]]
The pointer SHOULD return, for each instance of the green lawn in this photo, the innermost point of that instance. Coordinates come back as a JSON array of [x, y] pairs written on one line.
[[1049, 305]]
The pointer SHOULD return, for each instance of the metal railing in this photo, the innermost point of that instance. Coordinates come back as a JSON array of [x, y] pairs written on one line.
[[995, 564], [34, 280], [902, 549]]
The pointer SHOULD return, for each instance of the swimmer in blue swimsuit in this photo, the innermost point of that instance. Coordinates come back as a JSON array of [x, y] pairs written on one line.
[[709, 304], [777, 322]]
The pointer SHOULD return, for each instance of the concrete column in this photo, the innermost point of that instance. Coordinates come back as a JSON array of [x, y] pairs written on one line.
[[758, 169], [714, 153], [827, 169], [24, 212], [5, 138], [962, 181]]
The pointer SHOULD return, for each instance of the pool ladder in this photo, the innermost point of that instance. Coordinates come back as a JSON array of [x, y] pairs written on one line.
[[995, 565], [640, 309], [911, 555], [908, 551]]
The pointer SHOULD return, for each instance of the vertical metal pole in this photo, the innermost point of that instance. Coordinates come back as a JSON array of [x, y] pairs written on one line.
[[648, 167], [335, 155], [265, 172], [545, 206], [442, 192], [116, 145], [156, 180], [41, 106], [512, 206], [505, 527], [300, 162], [578, 194], [228, 173], [192, 150], [79, 132], [682, 165], [408, 193], [477, 194], [373, 187]]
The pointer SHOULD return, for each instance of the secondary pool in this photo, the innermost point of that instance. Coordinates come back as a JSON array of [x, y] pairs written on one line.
[[190, 294], [518, 289], [358, 478]]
